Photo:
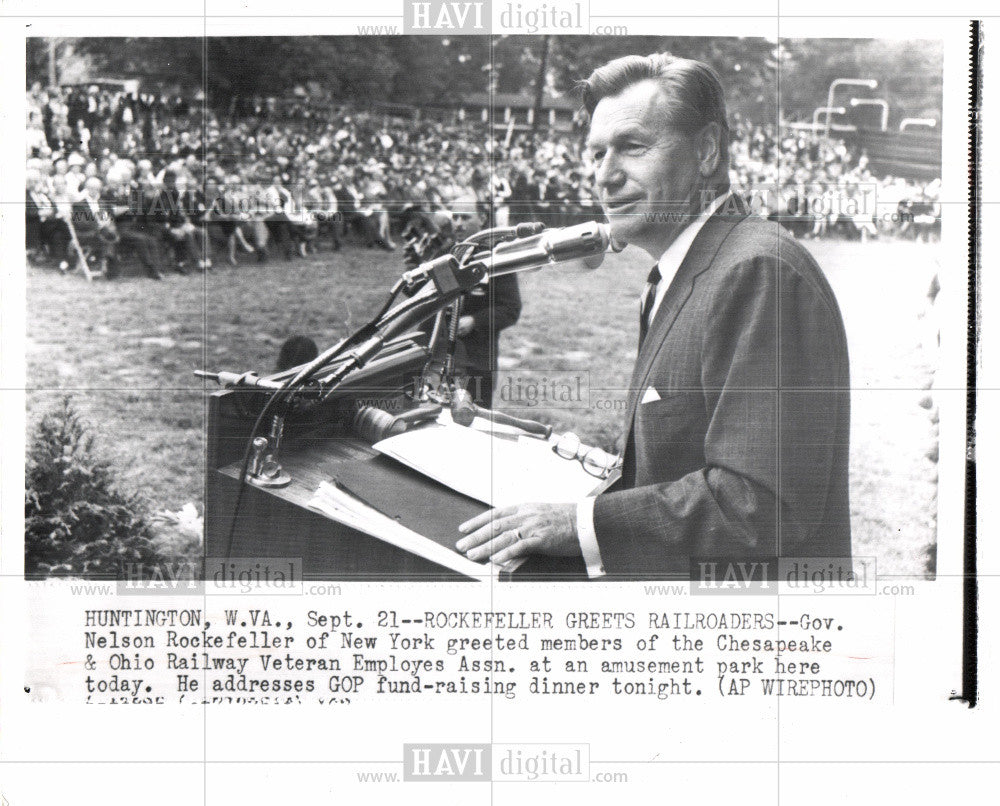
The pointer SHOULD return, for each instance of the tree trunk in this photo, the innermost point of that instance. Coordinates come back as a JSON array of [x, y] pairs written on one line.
[[540, 83]]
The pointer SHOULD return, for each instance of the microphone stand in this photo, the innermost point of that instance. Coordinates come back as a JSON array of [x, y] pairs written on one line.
[[434, 286], [448, 281]]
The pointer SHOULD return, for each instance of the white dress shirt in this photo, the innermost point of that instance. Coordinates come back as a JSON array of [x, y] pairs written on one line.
[[669, 262]]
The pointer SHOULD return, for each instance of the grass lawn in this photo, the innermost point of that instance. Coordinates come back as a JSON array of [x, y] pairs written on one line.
[[126, 350]]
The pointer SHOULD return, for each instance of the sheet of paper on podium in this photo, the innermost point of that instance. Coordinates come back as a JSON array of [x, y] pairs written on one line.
[[492, 464], [342, 506]]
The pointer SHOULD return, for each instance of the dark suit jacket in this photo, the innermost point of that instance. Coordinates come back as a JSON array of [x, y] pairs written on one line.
[[167, 209], [86, 222], [741, 449], [493, 307], [37, 204], [523, 196]]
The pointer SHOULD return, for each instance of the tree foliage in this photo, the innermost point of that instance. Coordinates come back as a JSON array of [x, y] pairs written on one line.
[[76, 521], [759, 75], [909, 74]]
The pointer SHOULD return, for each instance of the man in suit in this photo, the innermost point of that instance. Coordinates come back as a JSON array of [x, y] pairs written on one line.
[[40, 216], [486, 309], [171, 212], [94, 225], [121, 198], [522, 197], [738, 413]]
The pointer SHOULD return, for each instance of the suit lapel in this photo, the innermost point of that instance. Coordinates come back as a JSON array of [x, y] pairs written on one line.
[[698, 259]]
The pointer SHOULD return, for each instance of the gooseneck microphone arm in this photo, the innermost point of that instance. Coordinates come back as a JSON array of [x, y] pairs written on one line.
[[434, 285], [449, 280], [588, 242]]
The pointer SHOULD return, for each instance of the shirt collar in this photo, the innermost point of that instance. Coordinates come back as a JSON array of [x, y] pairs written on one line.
[[670, 261]]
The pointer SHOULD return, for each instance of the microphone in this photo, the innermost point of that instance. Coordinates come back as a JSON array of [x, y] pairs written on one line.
[[588, 241]]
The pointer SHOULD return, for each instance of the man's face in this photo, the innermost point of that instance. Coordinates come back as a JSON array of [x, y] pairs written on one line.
[[646, 171]]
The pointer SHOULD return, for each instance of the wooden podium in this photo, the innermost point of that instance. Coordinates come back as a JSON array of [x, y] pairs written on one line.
[[276, 522]]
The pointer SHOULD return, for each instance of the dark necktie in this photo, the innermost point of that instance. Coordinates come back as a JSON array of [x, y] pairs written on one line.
[[647, 302]]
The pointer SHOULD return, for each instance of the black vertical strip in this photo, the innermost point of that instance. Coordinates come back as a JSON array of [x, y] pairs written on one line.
[[970, 587]]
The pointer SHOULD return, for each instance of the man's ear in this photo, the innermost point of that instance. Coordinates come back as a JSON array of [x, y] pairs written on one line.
[[709, 145]]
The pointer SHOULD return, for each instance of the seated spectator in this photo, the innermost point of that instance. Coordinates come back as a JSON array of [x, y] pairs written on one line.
[[323, 201], [41, 224], [228, 213], [94, 227], [168, 212], [302, 221], [121, 199], [277, 203], [370, 171]]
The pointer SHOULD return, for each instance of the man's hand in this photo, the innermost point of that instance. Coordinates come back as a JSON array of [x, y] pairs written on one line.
[[465, 325], [503, 534]]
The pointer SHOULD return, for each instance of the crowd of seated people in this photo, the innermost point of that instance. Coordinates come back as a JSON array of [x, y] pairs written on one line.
[[178, 185], [817, 188]]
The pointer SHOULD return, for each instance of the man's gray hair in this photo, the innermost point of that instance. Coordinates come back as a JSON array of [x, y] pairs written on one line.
[[693, 90]]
